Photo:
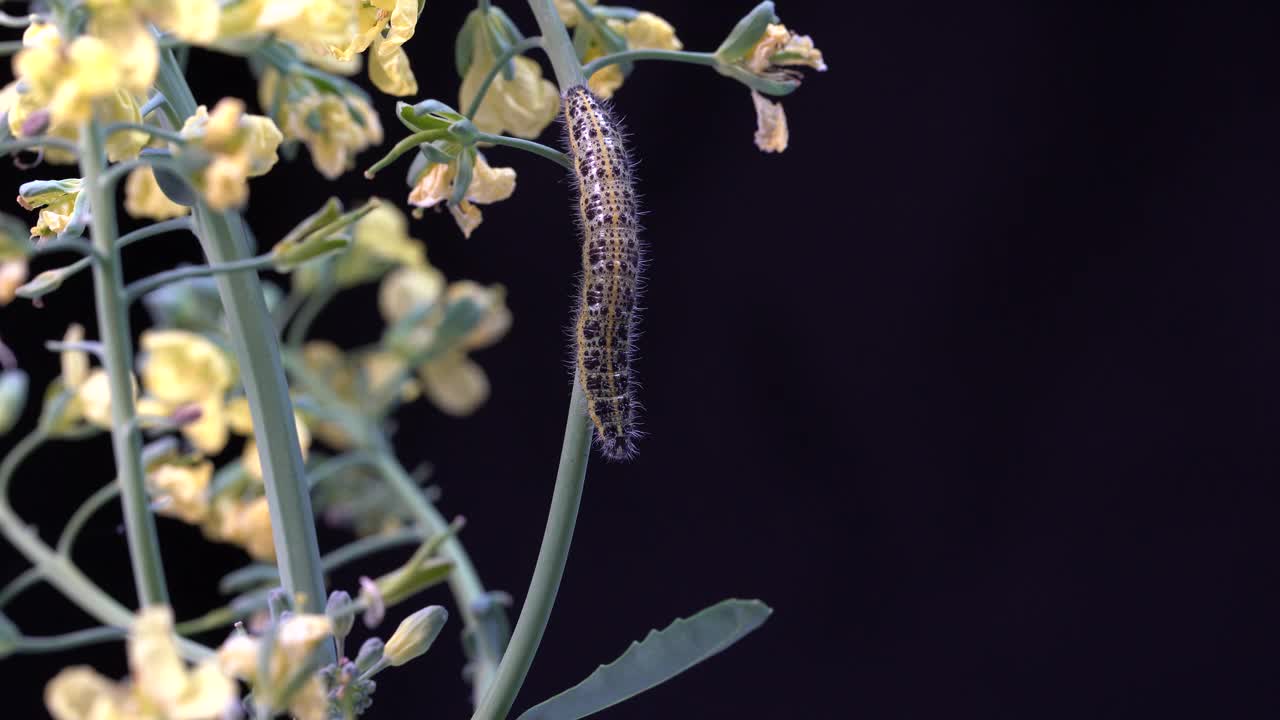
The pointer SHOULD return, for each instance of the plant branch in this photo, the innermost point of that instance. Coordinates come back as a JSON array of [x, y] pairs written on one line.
[[528, 43], [113, 327], [141, 287], [694, 58], [528, 146]]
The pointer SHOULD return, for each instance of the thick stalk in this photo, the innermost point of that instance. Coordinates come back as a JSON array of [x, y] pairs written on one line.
[[550, 566], [223, 237], [117, 352], [555, 40], [254, 338]]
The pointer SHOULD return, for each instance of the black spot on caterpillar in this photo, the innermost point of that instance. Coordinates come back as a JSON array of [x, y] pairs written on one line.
[[611, 261]]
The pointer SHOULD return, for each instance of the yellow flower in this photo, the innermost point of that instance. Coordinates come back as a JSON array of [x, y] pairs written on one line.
[[180, 369], [384, 26], [13, 273], [296, 638], [56, 202], [645, 31], [408, 288], [90, 388], [335, 128], [455, 384], [771, 124], [243, 146], [496, 321], [162, 686], [67, 79], [181, 489], [195, 21], [488, 185], [523, 105], [569, 11], [246, 523], [144, 199]]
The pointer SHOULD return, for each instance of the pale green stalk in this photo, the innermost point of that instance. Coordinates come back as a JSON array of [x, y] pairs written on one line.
[[571, 476], [684, 56], [224, 239], [117, 356]]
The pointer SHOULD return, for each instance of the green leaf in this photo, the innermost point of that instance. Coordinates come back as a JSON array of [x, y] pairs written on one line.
[[656, 659]]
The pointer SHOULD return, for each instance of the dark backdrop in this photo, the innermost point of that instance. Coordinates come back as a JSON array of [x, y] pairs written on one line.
[[973, 384]]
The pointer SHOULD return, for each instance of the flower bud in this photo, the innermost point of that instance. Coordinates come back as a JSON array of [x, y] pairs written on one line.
[[370, 654], [746, 33], [13, 398], [46, 282], [324, 232], [415, 635], [337, 610]]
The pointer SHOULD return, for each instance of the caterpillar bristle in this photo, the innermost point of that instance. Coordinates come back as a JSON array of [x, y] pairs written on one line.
[[608, 220]]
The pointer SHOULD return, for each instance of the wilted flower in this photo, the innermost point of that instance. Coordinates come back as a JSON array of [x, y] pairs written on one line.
[[57, 201], [569, 13], [760, 54], [645, 31], [383, 28], [437, 184], [160, 685], [181, 489], [90, 388]]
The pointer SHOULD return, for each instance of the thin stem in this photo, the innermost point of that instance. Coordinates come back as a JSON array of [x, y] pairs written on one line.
[[11, 146], [113, 327], [75, 245], [311, 310], [695, 58], [141, 287], [464, 581], [552, 557], [57, 570], [528, 43], [564, 59], [35, 645], [15, 587], [159, 228], [91, 505], [528, 146], [152, 130], [402, 147], [246, 577]]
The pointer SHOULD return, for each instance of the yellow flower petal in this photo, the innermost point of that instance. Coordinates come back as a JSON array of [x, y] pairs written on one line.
[[157, 671], [144, 199], [389, 70], [182, 366], [73, 693], [523, 106], [407, 288], [13, 273], [455, 384], [182, 490], [433, 186], [467, 216], [648, 31], [75, 363], [490, 184]]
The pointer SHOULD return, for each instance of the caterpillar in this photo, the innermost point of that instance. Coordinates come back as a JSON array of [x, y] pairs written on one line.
[[611, 262]]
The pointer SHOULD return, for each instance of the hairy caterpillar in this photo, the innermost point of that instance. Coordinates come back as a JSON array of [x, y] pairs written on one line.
[[611, 262]]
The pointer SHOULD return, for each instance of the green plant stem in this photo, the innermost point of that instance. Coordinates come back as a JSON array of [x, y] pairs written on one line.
[[15, 587], [549, 569], [694, 58], [57, 570], [151, 130], [528, 43], [571, 475], [34, 645], [159, 228], [11, 146], [91, 505], [254, 339], [241, 579], [528, 146], [141, 287], [223, 236], [564, 59], [113, 327]]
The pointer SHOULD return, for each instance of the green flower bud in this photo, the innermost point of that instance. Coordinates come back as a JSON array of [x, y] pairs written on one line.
[[47, 281], [746, 33], [13, 398], [399, 585], [324, 232], [337, 610], [370, 654], [415, 635]]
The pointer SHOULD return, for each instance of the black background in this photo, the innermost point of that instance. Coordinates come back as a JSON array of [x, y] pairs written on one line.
[[974, 384]]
